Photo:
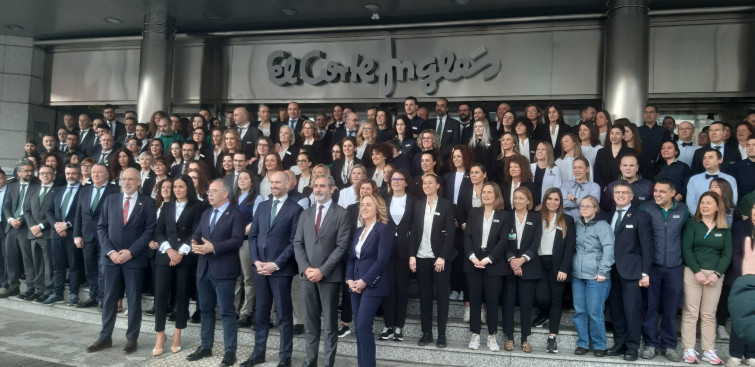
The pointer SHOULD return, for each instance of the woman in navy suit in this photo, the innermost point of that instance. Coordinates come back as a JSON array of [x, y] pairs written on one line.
[[400, 215], [431, 255], [365, 267], [462, 159], [522, 256], [517, 174], [485, 241], [174, 260]]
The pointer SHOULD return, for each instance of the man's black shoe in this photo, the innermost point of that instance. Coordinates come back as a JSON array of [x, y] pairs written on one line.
[[245, 321], [285, 362], [253, 361], [298, 329], [150, 311], [426, 339], [229, 359], [616, 350], [87, 303], [199, 354], [441, 341], [631, 355]]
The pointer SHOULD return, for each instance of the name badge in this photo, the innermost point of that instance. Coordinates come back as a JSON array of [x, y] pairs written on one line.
[[675, 216], [436, 213], [641, 198], [496, 221], [529, 223], [559, 228], [718, 235], [512, 236], [630, 225], [449, 131], [288, 153]]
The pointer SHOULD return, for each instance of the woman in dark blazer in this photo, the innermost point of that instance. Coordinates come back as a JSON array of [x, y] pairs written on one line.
[[174, 260], [522, 256], [365, 267], [400, 207], [462, 159], [341, 170], [286, 147], [607, 160], [556, 257], [430, 256], [485, 242], [518, 173]]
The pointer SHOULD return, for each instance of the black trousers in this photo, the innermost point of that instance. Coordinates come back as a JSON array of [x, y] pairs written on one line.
[[522, 290], [481, 286], [549, 294], [625, 301], [722, 311], [346, 311], [166, 279], [433, 285], [395, 303], [458, 276]]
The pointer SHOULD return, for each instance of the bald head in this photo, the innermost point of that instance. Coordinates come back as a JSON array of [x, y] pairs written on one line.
[[290, 179], [241, 116]]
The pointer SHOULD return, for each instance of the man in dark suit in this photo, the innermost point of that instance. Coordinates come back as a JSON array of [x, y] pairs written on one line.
[[295, 120], [117, 129], [129, 130], [72, 146], [188, 152], [350, 128], [634, 258], [16, 239], [3, 272], [86, 135], [88, 209], [320, 244], [445, 126], [249, 134], [729, 155], [272, 251], [103, 152], [216, 242], [35, 216], [61, 214], [126, 226]]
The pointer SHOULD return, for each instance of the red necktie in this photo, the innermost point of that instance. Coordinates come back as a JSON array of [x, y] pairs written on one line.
[[125, 209], [319, 219]]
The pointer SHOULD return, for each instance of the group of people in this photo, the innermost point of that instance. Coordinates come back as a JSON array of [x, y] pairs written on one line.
[[523, 210]]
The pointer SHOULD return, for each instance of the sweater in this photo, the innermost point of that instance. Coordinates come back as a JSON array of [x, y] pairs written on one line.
[[706, 249]]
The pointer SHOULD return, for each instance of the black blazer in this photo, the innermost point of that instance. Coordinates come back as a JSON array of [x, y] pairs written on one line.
[[563, 248], [54, 213], [442, 231], [506, 192], [401, 230], [731, 156], [496, 246], [36, 212], [85, 222], [86, 144], [249, 140], [289, 158], [275, 128], [449, 180], [336, 170], [633, 246], [450, 136], [606, 168], [318, 151], [177, 233], [12, 193], [297, 128], [533, 148], [149, 184], [530, 243], [464, 205], [542, 133]]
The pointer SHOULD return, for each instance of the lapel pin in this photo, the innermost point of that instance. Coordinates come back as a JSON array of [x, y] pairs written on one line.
[[140, 204]]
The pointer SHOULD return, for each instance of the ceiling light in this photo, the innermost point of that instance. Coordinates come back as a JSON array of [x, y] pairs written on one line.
[[462, 2], [14, 27], [372, 7], [113, 20], [289, 11]]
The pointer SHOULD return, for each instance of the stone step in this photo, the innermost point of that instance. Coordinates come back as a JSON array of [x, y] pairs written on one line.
[[456, 354]]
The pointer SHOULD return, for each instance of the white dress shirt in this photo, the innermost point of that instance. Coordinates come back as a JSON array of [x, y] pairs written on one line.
[[362, 238], [398, 207], [425, 245]]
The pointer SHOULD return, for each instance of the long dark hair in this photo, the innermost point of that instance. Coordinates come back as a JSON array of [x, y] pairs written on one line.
[[191, 191]]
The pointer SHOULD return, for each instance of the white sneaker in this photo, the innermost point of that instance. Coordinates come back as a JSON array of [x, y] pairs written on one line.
[[466, 314], [690, 356], [460, 297], [493, 343], [710, 356], [454, 296], [474, 343], [733, 362], [483, 316], [750, 362], [721, 333]]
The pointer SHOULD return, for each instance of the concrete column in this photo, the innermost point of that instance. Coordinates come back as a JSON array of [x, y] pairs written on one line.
[[22, 113], [625, 75], [156, 60]]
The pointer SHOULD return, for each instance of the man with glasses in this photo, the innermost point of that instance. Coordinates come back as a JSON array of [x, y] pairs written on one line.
[[216, 243], [633, 258], [445, 126], [466, 130], [188, 153], [166, 134], [17, 245], [125, 228]]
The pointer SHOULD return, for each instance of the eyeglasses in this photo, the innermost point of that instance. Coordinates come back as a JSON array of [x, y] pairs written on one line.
[[621, 192], [86, 166], [45, 173], [398, 179], [586, 206], [213, 191]]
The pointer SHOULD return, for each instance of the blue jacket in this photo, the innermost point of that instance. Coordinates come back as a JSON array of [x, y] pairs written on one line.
[[594, 253], [667, 233], [373, 259], [227, 238], [133, 236]]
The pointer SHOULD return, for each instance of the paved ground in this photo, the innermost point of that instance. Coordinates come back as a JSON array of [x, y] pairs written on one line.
[[31, 340]]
